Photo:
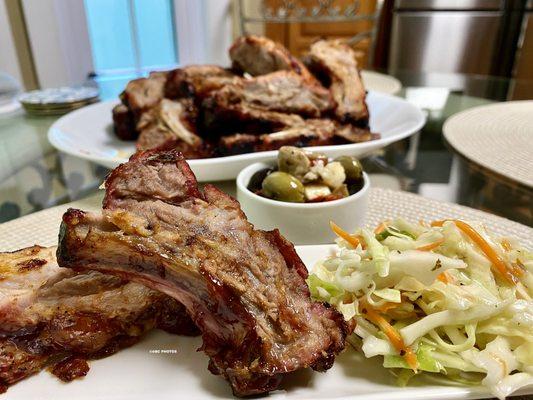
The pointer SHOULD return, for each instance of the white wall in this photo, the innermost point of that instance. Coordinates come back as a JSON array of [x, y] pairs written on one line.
[[204, 31], [218, 21], [8, 53], [59, 41]]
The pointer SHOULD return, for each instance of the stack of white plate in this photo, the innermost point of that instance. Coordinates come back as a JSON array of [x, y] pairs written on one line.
[[57, 101]]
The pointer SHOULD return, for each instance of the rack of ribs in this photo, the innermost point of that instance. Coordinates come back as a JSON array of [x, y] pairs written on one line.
[[55, 317], [268, 98], [244, 288], [173, 120], [335, 64]]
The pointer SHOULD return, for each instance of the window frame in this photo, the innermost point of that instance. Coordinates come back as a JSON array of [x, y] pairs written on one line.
[[61, 48]]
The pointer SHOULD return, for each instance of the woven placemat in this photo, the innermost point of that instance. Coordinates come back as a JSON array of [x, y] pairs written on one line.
[[498, 137], [42, 227]]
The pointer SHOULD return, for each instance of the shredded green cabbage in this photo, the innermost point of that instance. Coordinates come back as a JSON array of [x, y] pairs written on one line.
[[461, 320]]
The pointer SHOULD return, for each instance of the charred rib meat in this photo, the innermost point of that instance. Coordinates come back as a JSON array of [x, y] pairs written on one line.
[[139, 96], [283, 91], [314, 132], [257, 55], [51, 316], [244, 288], [222, 116], [170, 121], [196, 81], [144, 93], [335, 63], [124, 123], [311, 132]]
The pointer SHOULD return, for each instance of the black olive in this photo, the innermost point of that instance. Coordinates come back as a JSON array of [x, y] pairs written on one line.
[[256, 181], [355, 186]]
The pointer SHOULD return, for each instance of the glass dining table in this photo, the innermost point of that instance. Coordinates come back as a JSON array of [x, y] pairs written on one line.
[[35, 176]]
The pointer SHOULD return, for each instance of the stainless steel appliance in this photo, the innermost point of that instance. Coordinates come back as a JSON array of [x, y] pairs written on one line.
[[455, 36], [522, 86]]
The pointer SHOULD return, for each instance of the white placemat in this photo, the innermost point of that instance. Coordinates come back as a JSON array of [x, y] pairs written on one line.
[[380, 82], [42, 227], [498, 137]]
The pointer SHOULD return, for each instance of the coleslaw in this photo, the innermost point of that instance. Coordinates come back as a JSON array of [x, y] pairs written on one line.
[[445, 299]]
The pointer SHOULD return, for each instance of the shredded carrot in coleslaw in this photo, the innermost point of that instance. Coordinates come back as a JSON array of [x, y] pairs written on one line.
[[354, 240], [381, 227], [431, 246], [499, 266], [392, 334]]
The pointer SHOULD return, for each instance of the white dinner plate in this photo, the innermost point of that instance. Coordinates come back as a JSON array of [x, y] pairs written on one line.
[[164, 366], [88, 133], [376, 82]]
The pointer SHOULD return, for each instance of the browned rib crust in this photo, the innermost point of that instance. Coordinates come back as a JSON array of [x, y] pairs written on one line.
[[57, 318], [244, 288], [334, 62], [258, 55]]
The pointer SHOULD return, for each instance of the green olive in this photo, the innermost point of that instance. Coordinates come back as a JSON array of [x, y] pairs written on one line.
[[352, 167], [284, 187]]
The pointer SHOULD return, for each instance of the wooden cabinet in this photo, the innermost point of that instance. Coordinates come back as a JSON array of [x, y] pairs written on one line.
[[298, 36]]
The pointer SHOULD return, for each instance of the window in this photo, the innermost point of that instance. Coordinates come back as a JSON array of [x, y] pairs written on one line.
[[119, 40], [128, 39]]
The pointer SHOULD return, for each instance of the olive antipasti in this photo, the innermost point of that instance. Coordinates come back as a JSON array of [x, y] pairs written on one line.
[[284, 187], [352, 167], [294, 161], [303, 176]]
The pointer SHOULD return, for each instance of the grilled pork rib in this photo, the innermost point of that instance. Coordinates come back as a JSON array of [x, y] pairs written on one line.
[[124, 123], [311, 132], [244, 288], [219, 119], [139, 96], [144, 93], [170, 121], [264, 104], [257, 55], [282, 91], [51, 316], [335, 64], [197, 81]]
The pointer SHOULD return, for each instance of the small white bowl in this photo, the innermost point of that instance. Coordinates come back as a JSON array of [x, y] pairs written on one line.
[[301, 223]]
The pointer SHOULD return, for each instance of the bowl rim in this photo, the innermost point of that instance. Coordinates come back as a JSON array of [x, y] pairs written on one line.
[[243, 187]]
